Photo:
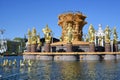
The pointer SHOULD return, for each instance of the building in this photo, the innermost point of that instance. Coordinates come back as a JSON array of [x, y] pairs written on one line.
[[119, 46], [100, 37]]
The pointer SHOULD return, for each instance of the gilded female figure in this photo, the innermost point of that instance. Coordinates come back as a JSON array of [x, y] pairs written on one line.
[[47, 35], [69, 32], [29, 37], [115, 36], [91, 33], [107, 34], [34, 37]]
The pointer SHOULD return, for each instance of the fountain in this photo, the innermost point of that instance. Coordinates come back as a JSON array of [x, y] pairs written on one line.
[[97, 46]]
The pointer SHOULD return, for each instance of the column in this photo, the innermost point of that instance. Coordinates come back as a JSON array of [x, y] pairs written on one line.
[[38, 48], [69, 47], [47, 47], [115, 47], [95, 40], [33, 48], [28, 48], [107, 47], [92, 47], [102, 42]]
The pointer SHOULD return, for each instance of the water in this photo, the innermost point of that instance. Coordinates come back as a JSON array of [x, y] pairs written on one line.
[[61, 70]]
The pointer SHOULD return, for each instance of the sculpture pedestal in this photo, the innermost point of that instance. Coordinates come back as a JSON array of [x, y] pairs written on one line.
[[92, 47], [47, 47], [29, 48], [115, 47], [33, 48], [69, 47], [107, 47]]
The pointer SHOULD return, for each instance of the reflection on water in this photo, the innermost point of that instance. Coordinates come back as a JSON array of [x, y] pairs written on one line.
[[60, 70]]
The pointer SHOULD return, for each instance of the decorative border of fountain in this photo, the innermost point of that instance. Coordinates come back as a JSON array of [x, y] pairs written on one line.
[[72, 56]]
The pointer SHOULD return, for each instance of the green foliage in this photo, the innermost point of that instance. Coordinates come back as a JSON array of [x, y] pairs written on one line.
[[18, 39], [16, 46], [12, 47]]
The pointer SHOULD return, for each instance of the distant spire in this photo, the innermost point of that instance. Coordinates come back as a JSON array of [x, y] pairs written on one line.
[[100, 25]]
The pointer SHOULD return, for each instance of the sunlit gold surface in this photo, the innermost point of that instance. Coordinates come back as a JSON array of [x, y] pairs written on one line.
[[115, 36], [91, 33], [73, 43], [76, 21], [69, 53], [107, 34], [33, 38], [47, 34]]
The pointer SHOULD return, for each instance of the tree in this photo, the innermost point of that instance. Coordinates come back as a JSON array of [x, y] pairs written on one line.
[[22, 42]]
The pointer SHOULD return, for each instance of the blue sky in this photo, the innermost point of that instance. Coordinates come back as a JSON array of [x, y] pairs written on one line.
[[16, 16]]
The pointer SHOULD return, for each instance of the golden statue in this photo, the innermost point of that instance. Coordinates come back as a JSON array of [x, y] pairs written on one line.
[[61, 39], [29, 37], [38, 40], [69, 33], [91, 33], [47, 34], [77, 20], [115, 36], [34, 37], [64, 31], [107, 34]]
